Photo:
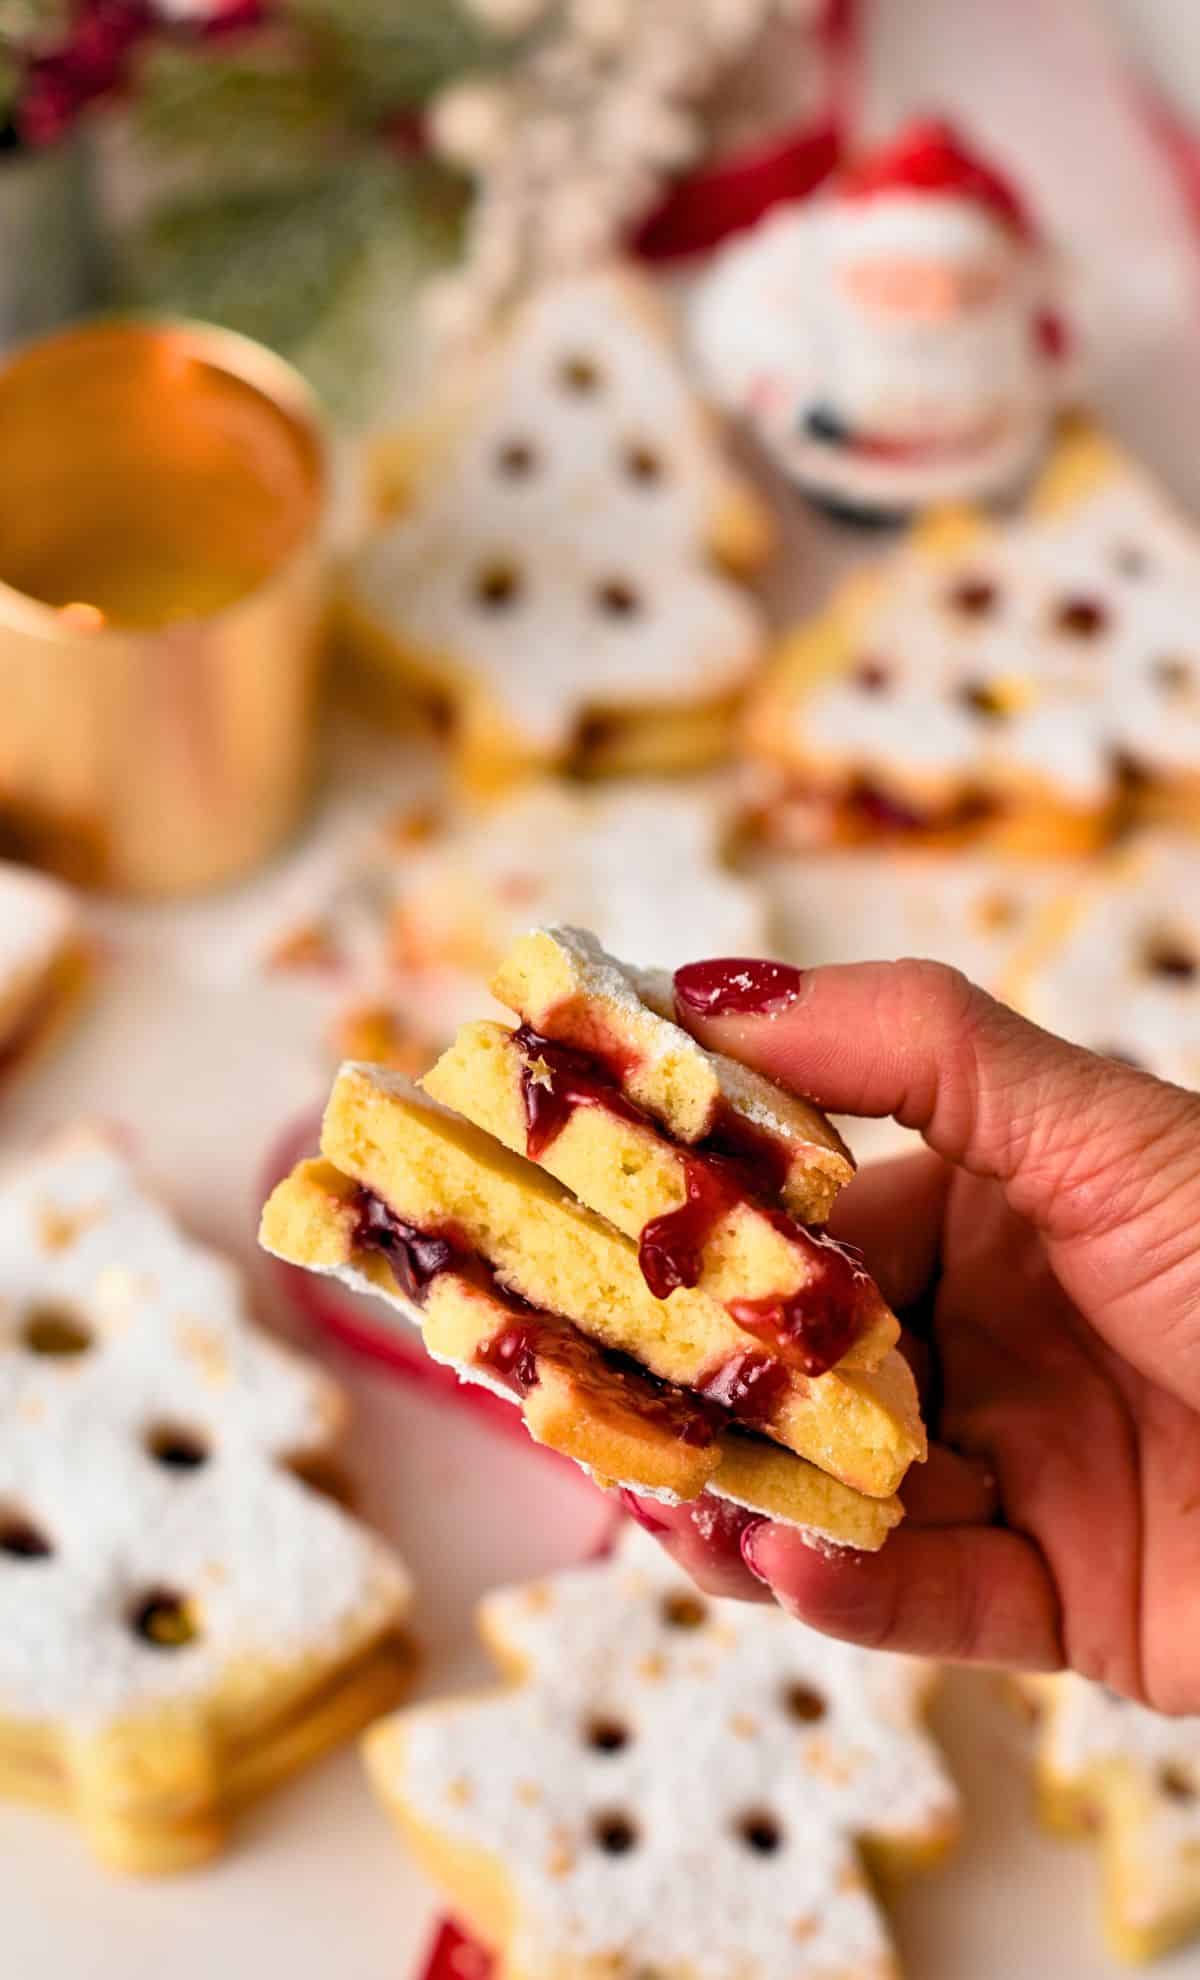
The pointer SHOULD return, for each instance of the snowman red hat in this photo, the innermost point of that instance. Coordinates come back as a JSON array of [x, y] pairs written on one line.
[[897, 340]]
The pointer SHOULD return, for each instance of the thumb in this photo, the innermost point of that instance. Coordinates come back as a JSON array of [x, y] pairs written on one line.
[[1103, 1160]]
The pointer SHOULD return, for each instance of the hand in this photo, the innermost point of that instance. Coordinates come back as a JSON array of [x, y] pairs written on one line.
[[1044, 1251]]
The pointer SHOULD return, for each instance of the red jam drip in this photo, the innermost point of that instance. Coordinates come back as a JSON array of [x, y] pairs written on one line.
[[737, 1162], [671, 1250], [416, 1257], [610, 1382], [555, 1080], [816, 1325], [512, 1355], [751, 1386]]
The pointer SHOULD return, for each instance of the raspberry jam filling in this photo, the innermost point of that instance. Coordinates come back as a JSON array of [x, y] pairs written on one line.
[[870, 806], [747, 1390], [555, 1080], [812, 1327], [818, 1323], [416, 1257], [751, 1386], [611, 1383]]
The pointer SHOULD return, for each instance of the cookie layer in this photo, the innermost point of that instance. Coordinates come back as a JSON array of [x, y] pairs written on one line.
[[595, 1406], [700, 1218], [441, 1176], [562, 984]]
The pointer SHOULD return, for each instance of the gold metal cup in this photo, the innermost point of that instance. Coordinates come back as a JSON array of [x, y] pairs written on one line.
[[163, 595]]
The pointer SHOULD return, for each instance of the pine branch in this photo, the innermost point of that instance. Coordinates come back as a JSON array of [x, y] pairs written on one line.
[[393, 54], [236, 111], [318, 268]]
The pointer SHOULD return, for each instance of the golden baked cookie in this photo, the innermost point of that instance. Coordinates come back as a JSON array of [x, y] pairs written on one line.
[[183, 1621], [1129, 1778], [1024, 685], [551, 585], [670, 1784]]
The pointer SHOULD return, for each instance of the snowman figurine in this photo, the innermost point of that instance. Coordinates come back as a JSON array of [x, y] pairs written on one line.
[[896, 341]]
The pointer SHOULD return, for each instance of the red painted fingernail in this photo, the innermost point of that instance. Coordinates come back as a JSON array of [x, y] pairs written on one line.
[[736, 984], [641, 1514], [750, 1533]]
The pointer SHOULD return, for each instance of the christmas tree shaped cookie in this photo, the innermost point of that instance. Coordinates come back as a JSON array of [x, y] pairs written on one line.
[[183, 1620], [1029, 685], [1113, 961], [670, 1785], [1130, 1777], [592, 1215], [551, 587]]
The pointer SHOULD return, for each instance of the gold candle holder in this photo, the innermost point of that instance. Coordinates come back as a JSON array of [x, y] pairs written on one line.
[[163, 591]]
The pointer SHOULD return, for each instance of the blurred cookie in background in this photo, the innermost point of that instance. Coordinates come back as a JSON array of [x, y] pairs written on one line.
[[1129, 1779], [553, 590], [1030, 687], [184, 1620], [671, 1783], [1113, 962]]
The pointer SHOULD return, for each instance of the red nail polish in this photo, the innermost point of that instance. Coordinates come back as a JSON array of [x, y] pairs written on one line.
[[736, 984], [640, 1513]]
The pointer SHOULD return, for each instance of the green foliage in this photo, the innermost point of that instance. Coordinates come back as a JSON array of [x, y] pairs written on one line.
[[32, 24], [322, 267], [390, 55], [10, 84], [236, 113], [279, 206]]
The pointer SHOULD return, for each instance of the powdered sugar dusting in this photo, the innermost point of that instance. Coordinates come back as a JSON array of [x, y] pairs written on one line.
[[1087, 1727], [272, 1574], [1074, 656], [733, 1755], [560, 556], [1124, 975], [645, 1000]]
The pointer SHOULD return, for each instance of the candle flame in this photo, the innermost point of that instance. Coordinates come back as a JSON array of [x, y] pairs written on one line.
[[88, 618]]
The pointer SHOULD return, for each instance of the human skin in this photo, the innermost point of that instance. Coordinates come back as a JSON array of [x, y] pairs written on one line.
[[1044, 1252]]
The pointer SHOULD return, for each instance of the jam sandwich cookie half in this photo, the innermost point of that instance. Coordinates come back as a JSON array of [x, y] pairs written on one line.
[[183, 1620], [670, 1784], [44, 964], [552, 590], [1025, 686], [1114, 961], [622, 1200], [1129, 1778]]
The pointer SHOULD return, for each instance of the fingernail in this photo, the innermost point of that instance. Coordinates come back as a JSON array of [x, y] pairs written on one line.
[[736, 984], [638, 1512], [750, 1532]]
